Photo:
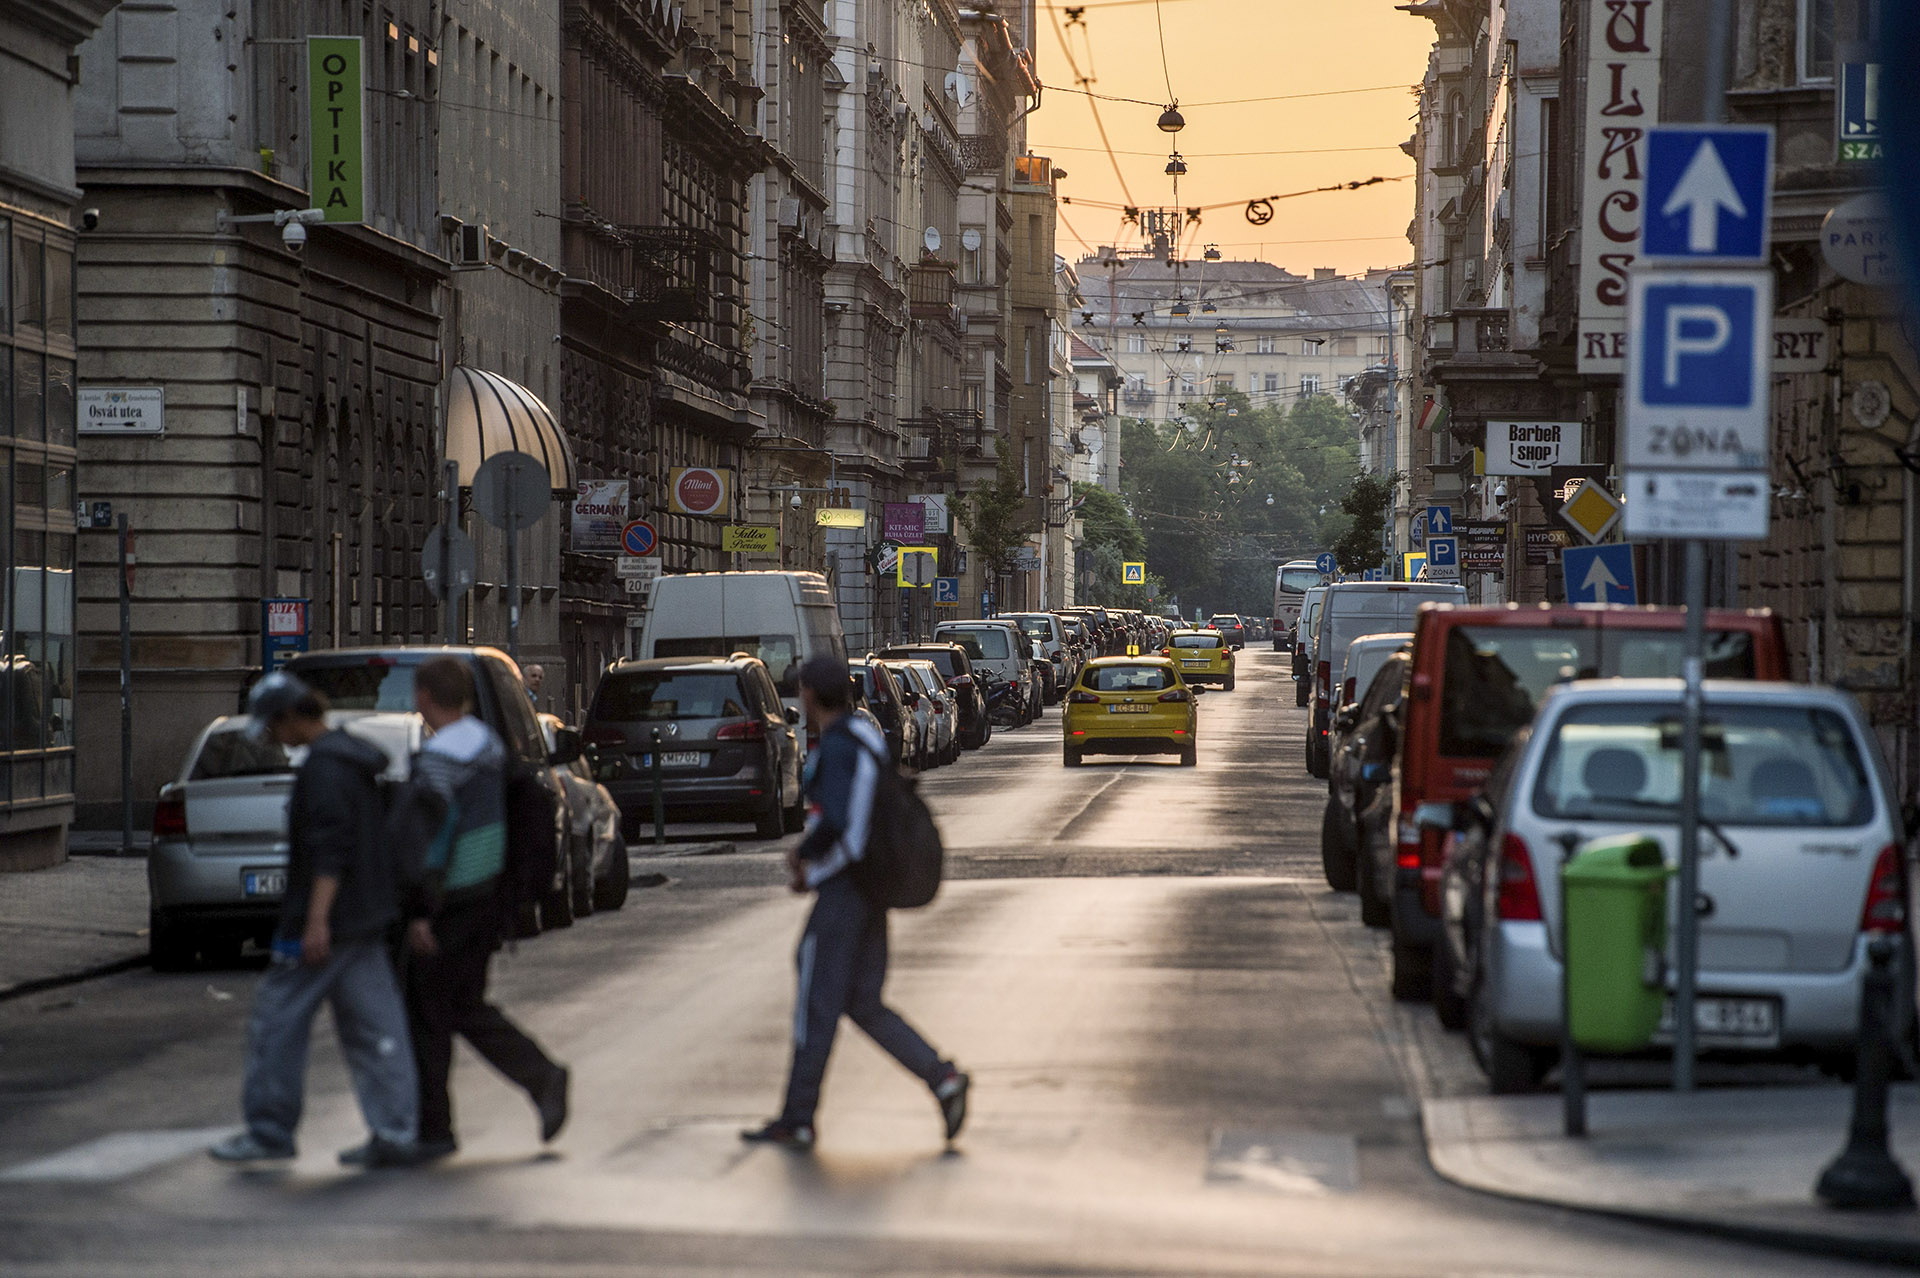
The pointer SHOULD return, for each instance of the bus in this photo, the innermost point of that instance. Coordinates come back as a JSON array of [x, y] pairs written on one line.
[[1291, 581]]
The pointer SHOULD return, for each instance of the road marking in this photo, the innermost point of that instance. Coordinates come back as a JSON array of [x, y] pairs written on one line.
[[1309, 1163], [115, 1157]]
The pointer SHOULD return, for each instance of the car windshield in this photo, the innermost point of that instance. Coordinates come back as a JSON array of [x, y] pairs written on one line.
[[1218, 622], [780, 652], [1129, 678], [668, 694], [1299, 580], [232, 753], [1761, 764], [1496, 675], [1039, 627], [375, 683], [991, 644], [1196, 641], [943, 659]]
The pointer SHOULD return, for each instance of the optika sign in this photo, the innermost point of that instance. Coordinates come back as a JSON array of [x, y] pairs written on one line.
[[700, 490], [1623, 99], [1531, 448]]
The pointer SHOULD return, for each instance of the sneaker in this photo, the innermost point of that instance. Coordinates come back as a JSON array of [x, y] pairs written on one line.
[[432, 1151], [951, 1092], [552, 1103], [798, 1136], [377, 1152], [245, 1147]]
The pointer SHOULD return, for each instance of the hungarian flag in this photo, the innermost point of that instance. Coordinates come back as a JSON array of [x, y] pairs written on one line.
[[1433, 415]]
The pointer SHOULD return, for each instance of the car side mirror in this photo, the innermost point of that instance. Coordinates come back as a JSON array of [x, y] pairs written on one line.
[[793, 715], [567, 746], [1347, 717]]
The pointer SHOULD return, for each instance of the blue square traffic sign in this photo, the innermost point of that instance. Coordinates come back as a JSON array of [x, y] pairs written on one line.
[[1709, 193], [946, 591], [1697, 378], [1600, 574], [1696, 345], [1439, 521]]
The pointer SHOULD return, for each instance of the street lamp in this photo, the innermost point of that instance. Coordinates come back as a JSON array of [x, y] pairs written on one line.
[[1171, 121]]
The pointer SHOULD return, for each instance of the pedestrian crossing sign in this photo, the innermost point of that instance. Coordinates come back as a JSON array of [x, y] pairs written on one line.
[[1133, 574]]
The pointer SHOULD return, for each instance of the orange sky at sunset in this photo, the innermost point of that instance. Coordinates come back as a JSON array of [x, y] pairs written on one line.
[[1219, 50]]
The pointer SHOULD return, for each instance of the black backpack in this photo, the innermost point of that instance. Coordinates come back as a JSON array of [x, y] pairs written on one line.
[[904, 860], [533, 839]]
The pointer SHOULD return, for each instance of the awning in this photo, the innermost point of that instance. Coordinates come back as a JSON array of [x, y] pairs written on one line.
[[487, 414]]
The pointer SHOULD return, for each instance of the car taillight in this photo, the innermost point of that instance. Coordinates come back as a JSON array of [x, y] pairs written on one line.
[[170, 819], [746, 730], [1886, 909], [1081, 697], [1175, 694], [1323, 680], [602, 735], [1519, 899], [1346, 693]]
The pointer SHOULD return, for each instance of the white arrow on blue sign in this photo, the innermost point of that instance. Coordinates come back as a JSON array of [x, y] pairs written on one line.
[[1709, 193], [1600, 574], [1697, 370], [1326, 563], [1439, 521]]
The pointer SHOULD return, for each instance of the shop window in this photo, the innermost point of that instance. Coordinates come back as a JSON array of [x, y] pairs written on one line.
[[6, 273], [29, 395], [59, 292], [29, 283], [61, 409]]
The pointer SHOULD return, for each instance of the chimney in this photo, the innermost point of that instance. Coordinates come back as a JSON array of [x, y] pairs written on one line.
[[1325, 273]]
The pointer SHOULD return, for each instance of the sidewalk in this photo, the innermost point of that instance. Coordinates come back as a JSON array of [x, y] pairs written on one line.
[[1740, 1162], [82, 917]]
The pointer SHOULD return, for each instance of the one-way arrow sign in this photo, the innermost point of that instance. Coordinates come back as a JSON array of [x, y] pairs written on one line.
[[1599, 574], [1709, 193]]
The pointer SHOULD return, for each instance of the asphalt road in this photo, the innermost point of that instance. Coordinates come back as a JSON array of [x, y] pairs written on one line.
[[1184, 1061]]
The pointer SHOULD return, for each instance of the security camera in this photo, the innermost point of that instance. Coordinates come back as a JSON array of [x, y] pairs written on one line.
[[794, 501], [294, 236], [1500, 492], [89, 219]]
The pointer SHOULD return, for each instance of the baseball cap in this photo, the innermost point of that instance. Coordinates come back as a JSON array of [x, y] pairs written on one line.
[[274, 695]]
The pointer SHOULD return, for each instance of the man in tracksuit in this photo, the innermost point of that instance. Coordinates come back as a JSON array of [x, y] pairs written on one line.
[[465, 763], [341, 901], [843, 952]]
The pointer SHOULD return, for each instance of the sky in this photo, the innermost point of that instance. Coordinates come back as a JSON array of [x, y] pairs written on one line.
[[1221, 51]]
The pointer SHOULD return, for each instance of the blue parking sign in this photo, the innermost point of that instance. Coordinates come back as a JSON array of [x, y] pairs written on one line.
[[1698, 345], [946, 592], [1697, 377]]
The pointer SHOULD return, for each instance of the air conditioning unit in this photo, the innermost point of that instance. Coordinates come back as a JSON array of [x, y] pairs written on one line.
[[789, 212], [470, 247]]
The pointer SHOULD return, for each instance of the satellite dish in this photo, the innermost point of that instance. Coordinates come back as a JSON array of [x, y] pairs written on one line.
[[970, 240], [931, 238], [960, 87]]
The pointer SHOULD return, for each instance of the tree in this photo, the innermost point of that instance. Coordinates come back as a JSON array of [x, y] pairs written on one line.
[[1112, 538], [999, 517], [1365, 504]]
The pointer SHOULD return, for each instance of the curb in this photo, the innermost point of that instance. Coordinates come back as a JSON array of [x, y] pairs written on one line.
[[668, 851], [1881, 1249], [41, 984]]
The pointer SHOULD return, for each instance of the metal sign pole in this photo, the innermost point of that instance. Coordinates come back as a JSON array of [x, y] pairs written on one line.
[[1687, 942], [126, 692], [449, 600], [513, 560]]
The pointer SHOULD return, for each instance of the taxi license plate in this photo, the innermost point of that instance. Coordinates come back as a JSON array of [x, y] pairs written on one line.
[[263, 882], [1127, 707], [1189, 661], [1747, 1022], [674, 759]]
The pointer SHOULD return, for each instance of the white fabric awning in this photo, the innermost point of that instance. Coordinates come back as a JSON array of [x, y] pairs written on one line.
[[487, 414]]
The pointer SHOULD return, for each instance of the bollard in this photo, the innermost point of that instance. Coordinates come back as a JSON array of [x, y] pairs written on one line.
[[1865, 1175], [659, 794]]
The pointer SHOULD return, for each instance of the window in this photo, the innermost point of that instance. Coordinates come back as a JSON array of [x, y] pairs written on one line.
[[1309, 386], [1026, 351], [1223, 383], [29, 283], [1266, 344], [1136, 344], [1348, 346], [1197, 641], [1816, 40], [628, 698], [1272, 383], [1129, 678]]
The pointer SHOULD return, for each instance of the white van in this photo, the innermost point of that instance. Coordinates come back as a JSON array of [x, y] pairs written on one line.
[[783, 618], [1349, 610]]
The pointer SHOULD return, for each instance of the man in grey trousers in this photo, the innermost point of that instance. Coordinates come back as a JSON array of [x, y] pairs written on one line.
[[331, 945]]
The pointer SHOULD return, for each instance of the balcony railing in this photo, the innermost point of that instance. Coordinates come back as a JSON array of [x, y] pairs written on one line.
[[939, 442], [983, 153], [930, 289], [670, 273]]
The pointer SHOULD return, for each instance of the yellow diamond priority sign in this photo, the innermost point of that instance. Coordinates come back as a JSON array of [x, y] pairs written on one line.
[[1593, 511]]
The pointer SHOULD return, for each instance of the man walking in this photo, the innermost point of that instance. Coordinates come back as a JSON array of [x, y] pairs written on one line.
[[465, 763], [330, 945], [843, 952]]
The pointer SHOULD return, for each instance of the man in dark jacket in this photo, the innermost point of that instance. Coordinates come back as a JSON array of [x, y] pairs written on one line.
[[331, 944], [843, 953]]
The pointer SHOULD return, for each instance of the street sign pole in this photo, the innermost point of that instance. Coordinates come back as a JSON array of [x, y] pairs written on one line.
[[449, 602], [126, 690], [513, 559]]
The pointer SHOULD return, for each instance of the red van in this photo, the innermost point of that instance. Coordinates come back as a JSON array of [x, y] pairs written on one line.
[[1476, 674]]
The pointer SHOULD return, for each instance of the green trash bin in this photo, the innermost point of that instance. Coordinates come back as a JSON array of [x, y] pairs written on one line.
[[1615, 939]]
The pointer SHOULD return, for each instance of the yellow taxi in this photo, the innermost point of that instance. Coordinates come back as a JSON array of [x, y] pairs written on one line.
[[1130, 705], [1204, 656]]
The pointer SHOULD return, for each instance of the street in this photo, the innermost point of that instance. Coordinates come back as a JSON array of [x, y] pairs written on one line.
[[1184, 1060]]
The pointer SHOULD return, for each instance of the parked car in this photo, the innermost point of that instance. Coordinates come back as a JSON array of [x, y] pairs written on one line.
[[921, 707], [967, 685], [781, 618], [729, 748], [595, 818], [1303, 631], [1231, 628], [945, 746], [1478, 673], [1803, 861], [885, 699], [1349, 610], [1354, 671], [1130, 705], [1002, 653], [1057, 670], [1080, 640], [382, 679], [1356, 828], [218, 866]]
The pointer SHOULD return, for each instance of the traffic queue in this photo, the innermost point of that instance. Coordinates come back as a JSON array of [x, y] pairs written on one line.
[[1471, 751]]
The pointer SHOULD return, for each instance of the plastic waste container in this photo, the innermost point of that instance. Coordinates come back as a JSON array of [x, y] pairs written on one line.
[[1615, 942]]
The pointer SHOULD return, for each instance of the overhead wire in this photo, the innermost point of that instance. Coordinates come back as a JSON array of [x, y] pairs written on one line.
[[1084, 79]]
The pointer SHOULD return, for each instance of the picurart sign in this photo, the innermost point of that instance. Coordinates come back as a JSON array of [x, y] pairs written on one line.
[[336, 127]]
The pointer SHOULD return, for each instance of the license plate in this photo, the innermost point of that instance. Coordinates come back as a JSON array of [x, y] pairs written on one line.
[[675, 759], [1125, 707], [1189, 661], [263, 882], [1747, 1022]]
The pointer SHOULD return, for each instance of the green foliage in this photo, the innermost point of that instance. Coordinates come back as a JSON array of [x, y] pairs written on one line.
[[999, 517], [1365, 504], [1114, 538], [1200, 497]]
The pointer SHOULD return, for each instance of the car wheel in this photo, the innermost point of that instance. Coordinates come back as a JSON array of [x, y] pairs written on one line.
[[610, 892], [1511, 1068], [528, 924], [1338, 847], [1189, 755], [556, 907], [795, 817], [1375, 910], [582, 876], [1228, 685], [1448, 1005], [1070, 756], [771, 821], [1299, 691], [1412, 971], [170, 948]]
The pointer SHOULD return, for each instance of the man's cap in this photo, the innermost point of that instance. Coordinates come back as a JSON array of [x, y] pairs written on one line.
[[274, 695], [826, 675]]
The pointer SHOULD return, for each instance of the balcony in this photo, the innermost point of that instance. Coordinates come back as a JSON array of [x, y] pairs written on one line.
[[669, 273], [936, 444], [930, 285], [1033, 170], [983, 153]]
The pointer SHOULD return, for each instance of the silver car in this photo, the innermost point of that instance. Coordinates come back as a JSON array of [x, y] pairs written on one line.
[[944, 745], [218, 867], [602, 875], [923, 710], [1801, 864]]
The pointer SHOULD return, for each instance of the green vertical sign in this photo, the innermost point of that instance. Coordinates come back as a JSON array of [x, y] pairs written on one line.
[[336, 110]]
